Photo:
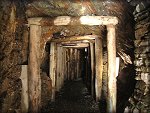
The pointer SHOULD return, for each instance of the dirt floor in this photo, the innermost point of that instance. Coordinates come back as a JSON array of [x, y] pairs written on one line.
[[73, 98]]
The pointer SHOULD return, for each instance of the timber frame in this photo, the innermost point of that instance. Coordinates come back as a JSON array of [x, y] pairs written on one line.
[[36, 50]]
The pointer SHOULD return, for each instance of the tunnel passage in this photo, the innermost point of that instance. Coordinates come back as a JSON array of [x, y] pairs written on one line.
[[68, 61], [37, 45], [72, 92], [14, 35]]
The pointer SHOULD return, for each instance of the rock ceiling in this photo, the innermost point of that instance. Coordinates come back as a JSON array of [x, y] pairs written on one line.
[[54, 8], [119, 8]]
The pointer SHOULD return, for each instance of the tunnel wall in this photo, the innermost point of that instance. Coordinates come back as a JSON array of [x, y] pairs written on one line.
[[11, 44], [140, 101]]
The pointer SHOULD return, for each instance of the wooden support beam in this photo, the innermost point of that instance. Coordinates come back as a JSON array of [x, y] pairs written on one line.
[[92, 67], [68, 20], [78, 45], [43, 39], [74, 38], [68, 64], [77, 60], [86, 66], [34, 70], [111, 48], [24, 93], [75, 42], [53, 68], [99, 67], [71, 63], [80, 64], [65, 63], [61, 67], [58, 73], [75, 55]]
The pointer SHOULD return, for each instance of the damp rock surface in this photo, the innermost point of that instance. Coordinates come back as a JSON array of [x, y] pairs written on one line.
[[11, 17], [73, 98], [140, 101]]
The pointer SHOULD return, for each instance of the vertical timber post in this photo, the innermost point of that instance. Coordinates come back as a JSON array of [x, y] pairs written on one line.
[[58, 68], [34, 69], [61, 67], [111, 48], [75, 62], [78, 63], [71, 60], [68, 64], [65, 67], [99, 66], [53, 68], [92, 68], [24, 93]]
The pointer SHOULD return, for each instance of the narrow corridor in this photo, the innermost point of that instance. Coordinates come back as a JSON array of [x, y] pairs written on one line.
[[73, 98]]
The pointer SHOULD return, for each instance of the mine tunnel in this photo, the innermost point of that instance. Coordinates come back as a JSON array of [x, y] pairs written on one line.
[[74, 56]]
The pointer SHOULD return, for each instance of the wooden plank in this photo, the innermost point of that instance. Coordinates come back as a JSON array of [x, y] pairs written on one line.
[[99, 67], [80, 64], [75, 42], [61, 67], [68, 64], [65, 63], [92, 67], [76, 62], [34, 69], [53, 68], [78, 45], [24, 93], [58, 76], [71, 64], [68, 20], [111, 48]]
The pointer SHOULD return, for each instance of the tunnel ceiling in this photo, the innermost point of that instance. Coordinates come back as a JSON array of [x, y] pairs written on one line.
[[53, 8], [123, 9]]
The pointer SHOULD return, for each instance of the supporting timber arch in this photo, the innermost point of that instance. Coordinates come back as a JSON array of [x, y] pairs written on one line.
[[36, 52]]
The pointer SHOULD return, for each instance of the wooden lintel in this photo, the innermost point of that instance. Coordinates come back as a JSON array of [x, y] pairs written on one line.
[[81, 41], [75, 47], [78, 45], [68, 20], [75, 38]]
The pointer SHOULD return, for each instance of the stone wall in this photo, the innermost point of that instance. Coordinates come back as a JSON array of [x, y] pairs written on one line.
[[139, 102], [11, 27]]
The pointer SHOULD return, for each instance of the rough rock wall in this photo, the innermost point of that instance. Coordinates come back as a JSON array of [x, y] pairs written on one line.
[[11, 27], [140, 101], [46, 90], [45, 79]]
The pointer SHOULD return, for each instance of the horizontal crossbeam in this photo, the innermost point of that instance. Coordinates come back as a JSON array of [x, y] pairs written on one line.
[[68, 20]]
